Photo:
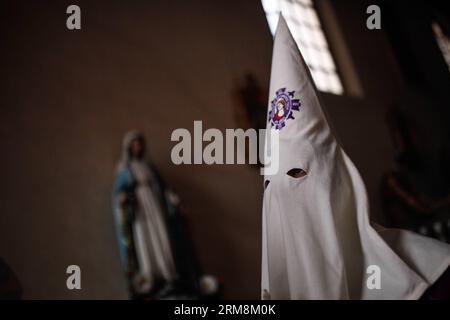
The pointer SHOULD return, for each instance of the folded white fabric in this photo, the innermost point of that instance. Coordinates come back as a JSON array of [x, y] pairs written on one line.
[[318, 242]]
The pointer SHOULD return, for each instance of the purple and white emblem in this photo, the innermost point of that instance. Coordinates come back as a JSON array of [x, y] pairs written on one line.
[[282, 107]]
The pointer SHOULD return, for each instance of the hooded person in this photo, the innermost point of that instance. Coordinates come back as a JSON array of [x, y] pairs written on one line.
[[144, 241], [317, 240]]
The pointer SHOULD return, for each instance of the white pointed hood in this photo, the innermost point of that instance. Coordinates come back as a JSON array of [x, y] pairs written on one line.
[[317, 239]]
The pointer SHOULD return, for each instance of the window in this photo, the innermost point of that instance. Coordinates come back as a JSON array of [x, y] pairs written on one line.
[[307, 31], [443, 42]]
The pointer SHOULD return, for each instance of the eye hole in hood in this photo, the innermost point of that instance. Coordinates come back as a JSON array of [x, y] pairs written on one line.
[[296, 173], [266, 183]]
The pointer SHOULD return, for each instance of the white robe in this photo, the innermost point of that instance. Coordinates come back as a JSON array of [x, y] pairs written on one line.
[[317, 239], [150, 233]]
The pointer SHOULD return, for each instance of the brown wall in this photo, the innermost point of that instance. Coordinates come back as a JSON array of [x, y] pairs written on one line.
[[68, 97]]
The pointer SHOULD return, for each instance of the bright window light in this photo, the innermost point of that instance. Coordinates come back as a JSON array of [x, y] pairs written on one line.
[[305, 27]]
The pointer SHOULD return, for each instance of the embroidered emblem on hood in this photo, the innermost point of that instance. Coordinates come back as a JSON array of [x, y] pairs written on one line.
[[282, 108]]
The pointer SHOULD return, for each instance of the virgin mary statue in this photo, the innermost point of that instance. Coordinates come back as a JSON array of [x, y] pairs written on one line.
[[140, 216]]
